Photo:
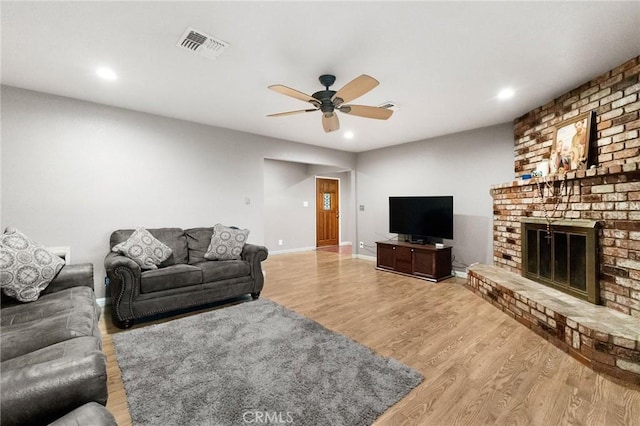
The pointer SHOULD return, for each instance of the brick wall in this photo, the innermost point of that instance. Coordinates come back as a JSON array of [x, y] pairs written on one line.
[[609, 192], [614, 98]]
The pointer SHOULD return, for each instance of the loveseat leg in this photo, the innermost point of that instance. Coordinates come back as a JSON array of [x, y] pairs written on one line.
[[124, 324], [255, 296]]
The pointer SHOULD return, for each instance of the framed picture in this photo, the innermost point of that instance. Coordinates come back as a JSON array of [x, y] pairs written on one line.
[[571, 143]]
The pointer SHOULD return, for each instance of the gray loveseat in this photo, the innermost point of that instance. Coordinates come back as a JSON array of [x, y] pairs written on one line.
[[184, 280], [53, 367]]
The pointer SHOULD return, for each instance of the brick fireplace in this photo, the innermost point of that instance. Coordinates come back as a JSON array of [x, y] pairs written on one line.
[[607, 195]]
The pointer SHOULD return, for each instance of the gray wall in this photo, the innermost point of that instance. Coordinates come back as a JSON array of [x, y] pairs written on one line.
[[287, 186], [74, 171], [464, 165]]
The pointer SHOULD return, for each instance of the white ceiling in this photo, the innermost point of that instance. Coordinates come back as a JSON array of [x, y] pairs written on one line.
[[442, 63]]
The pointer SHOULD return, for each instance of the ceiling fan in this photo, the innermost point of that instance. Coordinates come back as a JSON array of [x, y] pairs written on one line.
[[328, 101]]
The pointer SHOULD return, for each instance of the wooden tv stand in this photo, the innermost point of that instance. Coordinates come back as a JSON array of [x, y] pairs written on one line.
[[421, 261]]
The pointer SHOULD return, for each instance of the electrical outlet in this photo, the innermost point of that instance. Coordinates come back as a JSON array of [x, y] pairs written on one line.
[[361, 244], [279, 242]]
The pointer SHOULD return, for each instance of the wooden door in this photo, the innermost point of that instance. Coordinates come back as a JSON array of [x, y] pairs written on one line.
[[327, 212]]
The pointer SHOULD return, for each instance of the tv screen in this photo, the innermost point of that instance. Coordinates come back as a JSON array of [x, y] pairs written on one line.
[[422, 216]]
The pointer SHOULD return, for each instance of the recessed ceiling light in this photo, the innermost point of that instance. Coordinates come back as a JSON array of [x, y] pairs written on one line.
[[348, 135], [506, 93], [106, 73]]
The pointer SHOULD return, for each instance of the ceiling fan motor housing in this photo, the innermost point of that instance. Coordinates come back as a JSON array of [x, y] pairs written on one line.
[[327, 106], [324, 96]]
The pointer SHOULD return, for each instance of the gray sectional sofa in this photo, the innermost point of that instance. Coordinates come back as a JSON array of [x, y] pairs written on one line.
[[52, 364], [184, 280]]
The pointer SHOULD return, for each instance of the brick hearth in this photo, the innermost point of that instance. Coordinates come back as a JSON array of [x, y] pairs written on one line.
[[603, 339]]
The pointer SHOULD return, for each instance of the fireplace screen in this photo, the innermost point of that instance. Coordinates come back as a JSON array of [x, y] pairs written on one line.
[[564, 258]]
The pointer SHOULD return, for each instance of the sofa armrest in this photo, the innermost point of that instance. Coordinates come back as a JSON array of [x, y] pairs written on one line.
[[71, 276], [41, 393], [124, 284], [91, 413], [112, 261], [255, 254]]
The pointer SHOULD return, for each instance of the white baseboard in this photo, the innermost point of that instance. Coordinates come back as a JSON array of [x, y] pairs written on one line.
[[64, 252], [103, 301], [276, 252], [300, 249], [460, 274]]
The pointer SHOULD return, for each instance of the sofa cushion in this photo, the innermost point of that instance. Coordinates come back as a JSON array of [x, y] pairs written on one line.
[[48, 305], [224, 270], [226, 243], [198, 240], [20, 339], [80, 346], [170, 277], [26, 267], [144, 249], [174, 238]]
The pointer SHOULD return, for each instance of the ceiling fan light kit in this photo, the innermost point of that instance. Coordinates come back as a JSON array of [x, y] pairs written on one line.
[[327, 101]]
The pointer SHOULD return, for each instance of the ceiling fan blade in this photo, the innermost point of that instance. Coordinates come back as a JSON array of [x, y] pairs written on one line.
[[330, 122], [367, 111], [280, 114], [355, 88], [293, 93]]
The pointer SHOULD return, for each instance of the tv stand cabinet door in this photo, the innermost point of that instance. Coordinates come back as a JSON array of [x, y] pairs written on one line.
[[404, 259], [424, 263], [386, 256]]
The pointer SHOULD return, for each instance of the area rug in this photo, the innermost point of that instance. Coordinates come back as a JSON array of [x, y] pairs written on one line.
[[255, 363]]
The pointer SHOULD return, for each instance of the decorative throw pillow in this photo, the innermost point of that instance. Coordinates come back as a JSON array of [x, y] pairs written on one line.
[[26, 267], [226, 243], [144, 249]]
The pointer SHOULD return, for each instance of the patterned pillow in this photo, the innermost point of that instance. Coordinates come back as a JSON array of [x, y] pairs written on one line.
[[144, 249], [26, 267], [226, 243]]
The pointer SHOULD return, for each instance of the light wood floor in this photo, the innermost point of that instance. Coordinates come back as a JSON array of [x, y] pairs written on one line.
[[479, 365]]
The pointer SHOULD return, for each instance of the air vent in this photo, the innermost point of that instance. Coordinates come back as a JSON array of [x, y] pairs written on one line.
[[389, 105], [201, 43]]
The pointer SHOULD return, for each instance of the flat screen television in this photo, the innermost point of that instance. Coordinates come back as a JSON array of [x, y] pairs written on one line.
[[422, 219]]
